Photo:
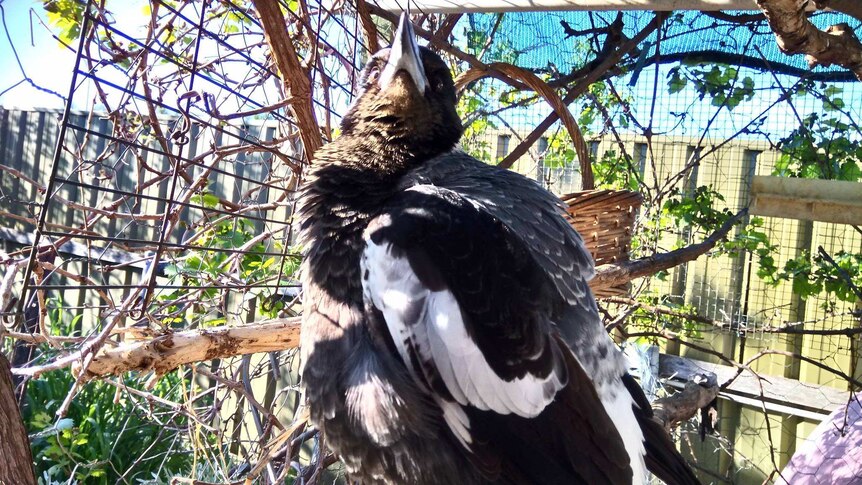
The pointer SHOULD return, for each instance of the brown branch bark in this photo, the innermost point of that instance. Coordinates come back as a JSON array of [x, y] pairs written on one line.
[[609, 275], [796, 35], [446, 27], [681, 406], [551, 97], [16, 462], [852, 8], [368, 27], [293, 75], [167, 352]]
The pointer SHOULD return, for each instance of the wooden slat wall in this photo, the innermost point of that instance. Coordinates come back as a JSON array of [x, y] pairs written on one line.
[[27, 140]]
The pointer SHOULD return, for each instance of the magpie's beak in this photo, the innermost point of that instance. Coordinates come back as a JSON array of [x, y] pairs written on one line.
[[404, 56]]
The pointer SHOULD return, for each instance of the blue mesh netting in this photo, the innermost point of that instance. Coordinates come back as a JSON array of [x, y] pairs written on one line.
[[539, 42]]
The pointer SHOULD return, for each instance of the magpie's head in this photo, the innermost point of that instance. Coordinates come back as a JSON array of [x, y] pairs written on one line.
[[407, 98]]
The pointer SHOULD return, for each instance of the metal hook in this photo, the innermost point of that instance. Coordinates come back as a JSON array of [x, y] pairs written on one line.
[[180, 135]]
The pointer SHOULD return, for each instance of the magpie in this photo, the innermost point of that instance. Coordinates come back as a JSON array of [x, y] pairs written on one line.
[[449, 335]]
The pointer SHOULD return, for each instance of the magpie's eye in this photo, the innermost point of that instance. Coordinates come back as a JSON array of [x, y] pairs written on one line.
[[373, 74]]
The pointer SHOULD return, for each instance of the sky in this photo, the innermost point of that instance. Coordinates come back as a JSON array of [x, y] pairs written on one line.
[[42, 58]]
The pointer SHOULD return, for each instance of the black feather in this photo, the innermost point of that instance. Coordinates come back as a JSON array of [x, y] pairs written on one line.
[[518, 273], [662, 457]]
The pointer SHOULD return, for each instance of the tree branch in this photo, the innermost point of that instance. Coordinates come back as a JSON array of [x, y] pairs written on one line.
[[752, 62], [852, 8], [609, 275], [683, 405], [16, 464], [368, 27], [293, 75], [797, 35], [167, 352], [551, 97], [599, 70]]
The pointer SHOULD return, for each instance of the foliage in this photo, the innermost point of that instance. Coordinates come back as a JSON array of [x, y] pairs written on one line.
[[66, 16], [807, 276], [821, 148], [102, 436], [480, 42], [824, 145], [100, 439], [676, 320], [600, 95], [476, 126], [202, 268], [811, 276], [697, 208], [720, 83]]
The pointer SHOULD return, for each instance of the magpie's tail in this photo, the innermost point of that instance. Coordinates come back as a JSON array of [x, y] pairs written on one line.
[[662, 457]]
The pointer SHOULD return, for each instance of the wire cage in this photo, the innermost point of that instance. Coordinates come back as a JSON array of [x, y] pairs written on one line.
[[161, 200], [145, 192]]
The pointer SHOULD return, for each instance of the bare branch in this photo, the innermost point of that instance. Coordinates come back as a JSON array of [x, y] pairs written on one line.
[[677, 408], [598, 70], [293, 75], [552, 98], [610, 275], [852, 8], [167, 352]]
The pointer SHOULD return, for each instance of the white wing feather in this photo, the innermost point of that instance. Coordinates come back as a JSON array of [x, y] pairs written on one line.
[[440, 337]]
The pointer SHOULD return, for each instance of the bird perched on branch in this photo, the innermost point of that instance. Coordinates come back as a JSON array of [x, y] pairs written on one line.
[[449, 335]]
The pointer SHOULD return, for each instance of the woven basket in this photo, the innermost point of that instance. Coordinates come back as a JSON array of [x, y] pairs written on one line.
[[605, 218]]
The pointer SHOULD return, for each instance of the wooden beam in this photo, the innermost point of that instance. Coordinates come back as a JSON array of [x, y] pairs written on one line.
[[808, 199], [454, 6]]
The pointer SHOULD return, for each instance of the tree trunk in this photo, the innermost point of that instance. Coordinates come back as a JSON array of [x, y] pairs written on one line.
[[16, 462]]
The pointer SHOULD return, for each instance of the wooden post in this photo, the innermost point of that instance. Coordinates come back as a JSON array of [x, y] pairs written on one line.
[[16, 462]]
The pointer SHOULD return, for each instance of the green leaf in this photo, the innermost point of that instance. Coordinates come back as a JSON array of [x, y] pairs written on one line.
[[66, 16], [676, 83]]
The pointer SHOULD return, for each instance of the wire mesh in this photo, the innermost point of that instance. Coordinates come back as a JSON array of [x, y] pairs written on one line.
[[167, 206]]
